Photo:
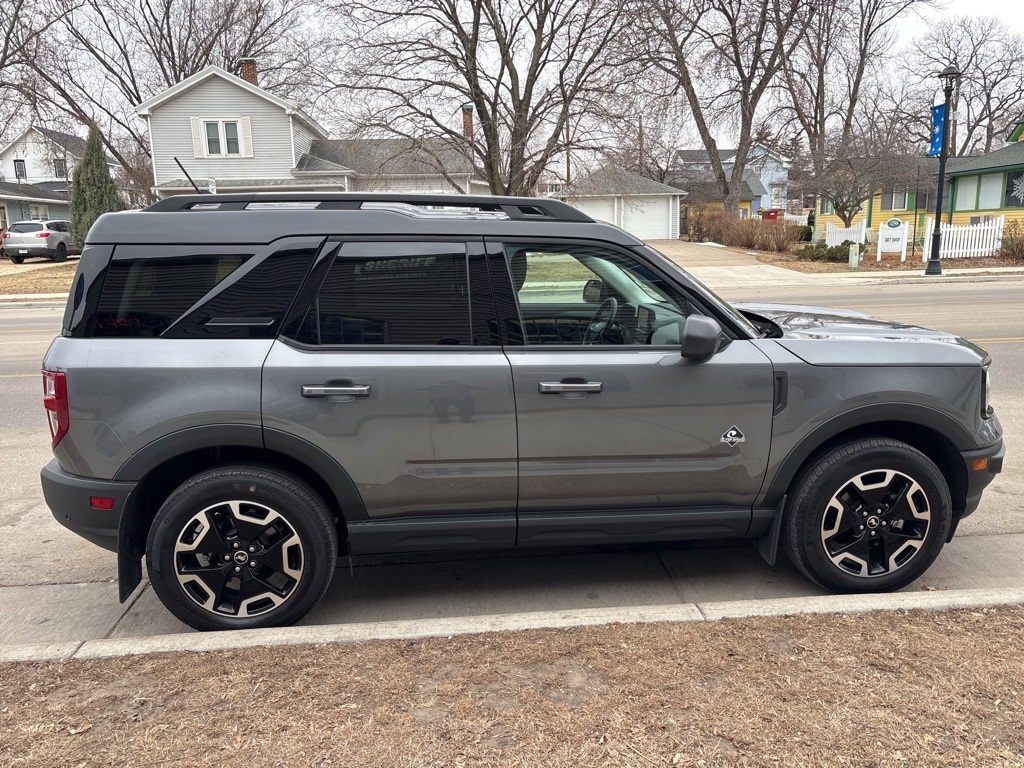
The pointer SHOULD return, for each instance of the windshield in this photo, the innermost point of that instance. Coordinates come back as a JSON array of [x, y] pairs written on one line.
[[734, 314]]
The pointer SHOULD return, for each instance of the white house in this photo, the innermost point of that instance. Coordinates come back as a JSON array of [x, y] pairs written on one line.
[[230, 135], [641, 206], [44, 158]]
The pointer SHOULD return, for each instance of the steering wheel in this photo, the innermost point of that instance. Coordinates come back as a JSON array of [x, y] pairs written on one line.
[[601, 320]]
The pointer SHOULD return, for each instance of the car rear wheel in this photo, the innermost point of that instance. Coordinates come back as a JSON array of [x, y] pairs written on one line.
[[17, 259], [241, 547], [868, 516], [61, 253]]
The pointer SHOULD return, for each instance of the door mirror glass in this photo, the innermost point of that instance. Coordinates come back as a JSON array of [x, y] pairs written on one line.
[[593, 291], [700, 337]]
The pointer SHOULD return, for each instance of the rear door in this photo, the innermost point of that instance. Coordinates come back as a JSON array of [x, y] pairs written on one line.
[[391, 364]]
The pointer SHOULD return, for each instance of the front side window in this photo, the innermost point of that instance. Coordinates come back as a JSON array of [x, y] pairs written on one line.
[[389, 293], [581, 294], [222, 138]]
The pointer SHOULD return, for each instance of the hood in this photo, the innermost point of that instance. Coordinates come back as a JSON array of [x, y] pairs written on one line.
[[824, 336]]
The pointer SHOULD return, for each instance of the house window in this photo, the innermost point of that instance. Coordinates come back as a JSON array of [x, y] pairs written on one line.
[[19, 169], [39, 211], [826, 207], [222, 138], [990, 194], [899, 200], [967, 193], [60, 169]]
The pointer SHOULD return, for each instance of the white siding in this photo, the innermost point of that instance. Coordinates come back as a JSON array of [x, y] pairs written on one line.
[[38, 154], [302, 137], [426, 184], [217, 99]]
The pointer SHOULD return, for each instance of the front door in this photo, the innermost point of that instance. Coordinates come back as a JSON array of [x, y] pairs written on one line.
[[620, 437], [389, 365]]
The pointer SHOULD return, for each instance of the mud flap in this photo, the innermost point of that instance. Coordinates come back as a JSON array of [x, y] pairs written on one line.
[[768, 545], [129, 564]]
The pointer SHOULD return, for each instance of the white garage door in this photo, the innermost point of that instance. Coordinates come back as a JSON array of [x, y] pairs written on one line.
[[647, 217], [598, 208]]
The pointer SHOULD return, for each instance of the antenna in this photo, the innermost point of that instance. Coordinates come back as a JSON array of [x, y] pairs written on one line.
[[190, 181]]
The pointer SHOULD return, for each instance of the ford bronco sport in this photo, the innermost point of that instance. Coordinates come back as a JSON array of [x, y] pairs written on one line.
[[248, 386]]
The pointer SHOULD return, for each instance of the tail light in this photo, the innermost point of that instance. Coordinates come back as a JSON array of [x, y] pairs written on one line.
[[55, 401], [6, 235], [42, 234]]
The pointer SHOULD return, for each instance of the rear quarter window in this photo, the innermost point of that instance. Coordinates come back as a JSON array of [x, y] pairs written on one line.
[[144, 297]]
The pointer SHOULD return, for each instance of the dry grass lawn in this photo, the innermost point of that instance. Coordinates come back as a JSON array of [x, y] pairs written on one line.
[[889, 263], [886, 689], [54, 278]]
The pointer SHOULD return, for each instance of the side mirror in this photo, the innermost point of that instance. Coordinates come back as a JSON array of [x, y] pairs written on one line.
[[593, 291], [700, 337]]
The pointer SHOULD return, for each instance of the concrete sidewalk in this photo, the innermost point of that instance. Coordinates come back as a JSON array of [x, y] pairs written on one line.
[[418, 597]]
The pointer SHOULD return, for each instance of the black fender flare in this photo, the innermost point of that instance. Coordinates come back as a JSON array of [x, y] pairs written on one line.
[[910, 414]]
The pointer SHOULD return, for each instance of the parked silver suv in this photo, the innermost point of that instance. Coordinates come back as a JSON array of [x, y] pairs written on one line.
[[49, 238], [248, 386]]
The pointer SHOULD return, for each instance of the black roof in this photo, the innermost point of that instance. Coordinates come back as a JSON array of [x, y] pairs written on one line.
[[12, 189]]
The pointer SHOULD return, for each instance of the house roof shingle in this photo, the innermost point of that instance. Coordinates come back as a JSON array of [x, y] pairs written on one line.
[[705, 190], [1002, 158], [29, 191], [612, 180], [386, 157]]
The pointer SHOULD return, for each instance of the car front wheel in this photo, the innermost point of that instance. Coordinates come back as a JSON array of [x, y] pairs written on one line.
[[868, 516], [241, 547]]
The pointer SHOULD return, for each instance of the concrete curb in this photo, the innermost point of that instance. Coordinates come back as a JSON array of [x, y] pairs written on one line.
[[419, 628]]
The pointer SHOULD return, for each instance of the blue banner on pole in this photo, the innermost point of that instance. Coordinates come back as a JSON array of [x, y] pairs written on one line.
[[938, 120]]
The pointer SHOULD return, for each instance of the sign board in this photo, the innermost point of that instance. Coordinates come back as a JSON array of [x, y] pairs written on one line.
[[212, 186], [892, 238]]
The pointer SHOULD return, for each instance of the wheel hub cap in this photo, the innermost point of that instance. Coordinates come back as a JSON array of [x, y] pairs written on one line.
[[216, 542], [875, 523]]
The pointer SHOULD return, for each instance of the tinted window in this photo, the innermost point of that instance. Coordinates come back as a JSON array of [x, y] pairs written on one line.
[[143, 297], [392, 293], [26, 227], [253, 305]]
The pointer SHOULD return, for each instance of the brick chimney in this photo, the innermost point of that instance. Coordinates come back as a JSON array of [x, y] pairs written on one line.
[[467, 120], [247, 70]]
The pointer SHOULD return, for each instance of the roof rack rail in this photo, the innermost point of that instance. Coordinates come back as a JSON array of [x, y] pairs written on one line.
[[419, 205]]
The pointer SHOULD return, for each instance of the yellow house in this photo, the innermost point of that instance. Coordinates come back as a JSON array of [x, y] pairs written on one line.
[[982, 188]]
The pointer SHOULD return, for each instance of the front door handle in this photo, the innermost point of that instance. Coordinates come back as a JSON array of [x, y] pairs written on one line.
[[323, 390], [556, 387]]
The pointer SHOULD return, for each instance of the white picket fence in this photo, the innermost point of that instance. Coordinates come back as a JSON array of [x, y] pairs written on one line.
[[964, 241], [838, 235]]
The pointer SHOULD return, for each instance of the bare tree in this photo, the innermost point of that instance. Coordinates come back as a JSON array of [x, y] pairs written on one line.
[[990, 94], [845, 46], [103, 57], [531, 71], [724, 56], [20, 25]]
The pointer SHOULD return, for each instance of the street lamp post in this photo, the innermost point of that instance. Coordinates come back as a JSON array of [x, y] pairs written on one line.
[[950, 74]]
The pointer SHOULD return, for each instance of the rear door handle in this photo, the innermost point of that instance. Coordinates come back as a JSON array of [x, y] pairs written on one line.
[[555, 387], [322, 390]]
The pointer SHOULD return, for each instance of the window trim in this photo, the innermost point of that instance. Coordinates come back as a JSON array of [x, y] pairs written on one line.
[[221, 136], [24, 169], [60, 168]]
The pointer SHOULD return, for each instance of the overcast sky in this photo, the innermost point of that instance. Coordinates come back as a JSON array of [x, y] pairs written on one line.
[[1010, 11]]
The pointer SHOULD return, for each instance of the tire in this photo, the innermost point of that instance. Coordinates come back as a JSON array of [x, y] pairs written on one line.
[[241, 547], [17, 259], [868, 516], [61, 253]]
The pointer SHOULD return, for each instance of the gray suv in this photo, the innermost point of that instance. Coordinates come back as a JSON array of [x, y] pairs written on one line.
[[50, 239], [247, 387]]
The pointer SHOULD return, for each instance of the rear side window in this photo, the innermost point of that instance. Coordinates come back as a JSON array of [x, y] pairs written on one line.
[[143, 297], [26, 227], [414, 294]]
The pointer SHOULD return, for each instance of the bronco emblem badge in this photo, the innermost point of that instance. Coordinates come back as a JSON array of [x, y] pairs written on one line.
[[733, 436]]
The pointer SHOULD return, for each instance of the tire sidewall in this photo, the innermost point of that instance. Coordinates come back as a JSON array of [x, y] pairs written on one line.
[[907, 461], [203, 491]]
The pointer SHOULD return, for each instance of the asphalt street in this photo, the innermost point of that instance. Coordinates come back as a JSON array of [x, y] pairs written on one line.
[[55, 586]]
